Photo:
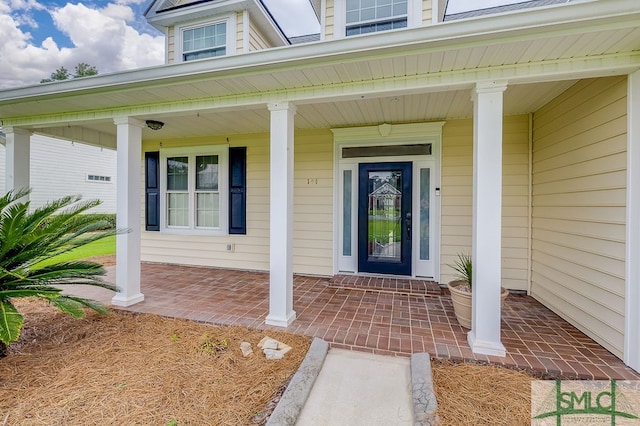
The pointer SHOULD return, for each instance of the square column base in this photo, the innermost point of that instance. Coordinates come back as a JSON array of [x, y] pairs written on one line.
[[123, 301], [278, 321], [485, 348]]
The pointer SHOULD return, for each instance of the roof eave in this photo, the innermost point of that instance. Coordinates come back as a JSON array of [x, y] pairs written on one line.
[[570, 18]]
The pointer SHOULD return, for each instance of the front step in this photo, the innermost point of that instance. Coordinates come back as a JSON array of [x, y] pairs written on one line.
[[387, 284]]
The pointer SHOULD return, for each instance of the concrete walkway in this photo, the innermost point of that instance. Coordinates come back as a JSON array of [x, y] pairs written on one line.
[[356, 388]]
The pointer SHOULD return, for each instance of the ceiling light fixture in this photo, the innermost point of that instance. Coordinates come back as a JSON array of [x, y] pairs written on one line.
[[154, 125]]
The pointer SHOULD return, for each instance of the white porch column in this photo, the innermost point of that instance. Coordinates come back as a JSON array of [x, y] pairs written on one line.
[[484, 337], [632, 279], [18, 149], [129, 160], [281, 311]]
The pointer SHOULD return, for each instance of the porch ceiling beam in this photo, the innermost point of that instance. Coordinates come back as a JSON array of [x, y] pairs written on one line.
[[532, 72], [81, 134]]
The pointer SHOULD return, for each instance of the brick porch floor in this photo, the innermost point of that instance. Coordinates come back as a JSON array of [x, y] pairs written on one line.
[[384, 316]]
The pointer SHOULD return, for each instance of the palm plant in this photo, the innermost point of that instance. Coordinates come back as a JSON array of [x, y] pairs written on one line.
[[464, 268], [29, 241]]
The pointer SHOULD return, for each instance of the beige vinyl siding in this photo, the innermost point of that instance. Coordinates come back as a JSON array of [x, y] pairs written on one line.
[[313, 211], [329, 27], [240, 32], [313, 204], [578, 217], [171, 45], [515, 202], [457, 197], [427, 12], [257, 40]]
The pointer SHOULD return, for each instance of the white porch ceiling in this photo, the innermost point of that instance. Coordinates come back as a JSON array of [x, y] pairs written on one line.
[[419, 74], [520, 99]]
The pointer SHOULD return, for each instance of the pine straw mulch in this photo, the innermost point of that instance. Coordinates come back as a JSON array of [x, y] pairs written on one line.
[[138, 369], [481, 394]]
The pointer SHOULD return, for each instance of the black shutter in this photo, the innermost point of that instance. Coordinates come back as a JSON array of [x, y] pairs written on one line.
[[152, 191], [238, 190]]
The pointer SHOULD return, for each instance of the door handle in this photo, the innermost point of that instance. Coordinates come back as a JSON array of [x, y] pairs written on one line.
[[408, 217]]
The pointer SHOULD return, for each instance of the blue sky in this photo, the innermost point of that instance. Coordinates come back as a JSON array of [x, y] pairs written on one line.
[[39, 36], [45, 26]]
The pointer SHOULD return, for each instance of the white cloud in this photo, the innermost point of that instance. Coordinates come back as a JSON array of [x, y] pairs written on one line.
[[130, 1], [24, 5], [104, 37]]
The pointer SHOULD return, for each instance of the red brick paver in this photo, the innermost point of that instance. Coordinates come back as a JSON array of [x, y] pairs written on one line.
[[381, 320]]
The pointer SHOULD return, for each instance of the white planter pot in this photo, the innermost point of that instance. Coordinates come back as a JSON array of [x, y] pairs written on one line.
[[462, 302]]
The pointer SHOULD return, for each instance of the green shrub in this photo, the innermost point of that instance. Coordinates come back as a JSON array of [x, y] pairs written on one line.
[[28, 238], [108, 220]]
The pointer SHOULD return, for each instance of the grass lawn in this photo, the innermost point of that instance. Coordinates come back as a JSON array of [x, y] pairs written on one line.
[[379, 230], [103, 247]]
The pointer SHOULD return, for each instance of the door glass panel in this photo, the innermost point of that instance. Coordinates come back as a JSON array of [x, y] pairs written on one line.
[[346, 214], [384, 214], [425, 185]]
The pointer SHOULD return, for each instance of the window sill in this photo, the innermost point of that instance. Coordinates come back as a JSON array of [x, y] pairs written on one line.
[[204, 232]]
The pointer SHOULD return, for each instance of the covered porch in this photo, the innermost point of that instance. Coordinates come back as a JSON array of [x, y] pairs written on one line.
[[378, 315], [539, 177]]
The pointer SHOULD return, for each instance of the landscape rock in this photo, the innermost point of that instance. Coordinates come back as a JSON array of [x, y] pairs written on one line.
[[273, 354], [270, 344], [245, 347]]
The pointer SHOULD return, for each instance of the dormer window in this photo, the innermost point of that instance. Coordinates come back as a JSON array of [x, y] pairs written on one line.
[[206, 39], [368, 16], [204, 42]]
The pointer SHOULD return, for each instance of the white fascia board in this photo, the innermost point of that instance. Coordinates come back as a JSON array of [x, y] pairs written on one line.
[[187, 12], [316, 5], [565, 19], [259, 13], [153, 6]]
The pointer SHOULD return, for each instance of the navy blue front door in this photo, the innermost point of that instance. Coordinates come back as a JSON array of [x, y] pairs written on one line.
[[384, 218]]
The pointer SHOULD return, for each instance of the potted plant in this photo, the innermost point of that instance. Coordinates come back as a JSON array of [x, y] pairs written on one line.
[[461, 289]]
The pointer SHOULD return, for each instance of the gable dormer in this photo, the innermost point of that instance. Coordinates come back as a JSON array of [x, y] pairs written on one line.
[[345, 18], [199, 29]]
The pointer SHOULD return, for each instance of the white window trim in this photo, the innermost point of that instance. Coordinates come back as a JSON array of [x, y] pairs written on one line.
[[229, 19], [222, 151], [414, 17]]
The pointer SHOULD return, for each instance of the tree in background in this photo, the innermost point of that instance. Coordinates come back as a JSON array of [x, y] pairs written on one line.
[[81, 70], [85, 70]]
